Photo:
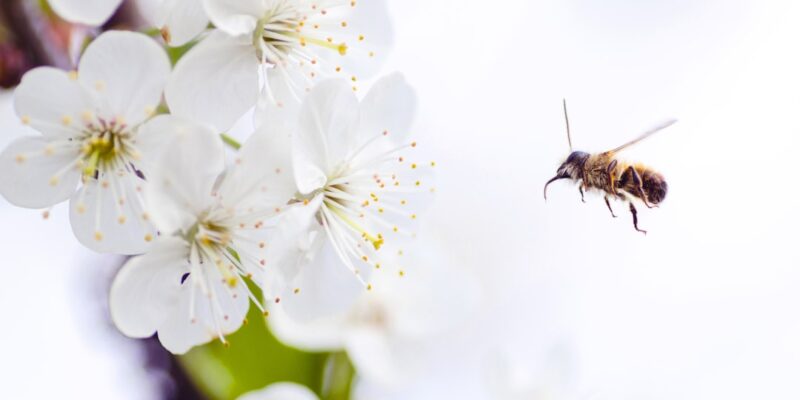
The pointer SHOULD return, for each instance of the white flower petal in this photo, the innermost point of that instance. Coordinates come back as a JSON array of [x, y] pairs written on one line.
[[324, 285], [51, 102], [36, 174], [281, 391], [323, 334], [282, 88], [216, 82], [181, 182], [87, 12], [262, 174], [107, 217], [179, 333], [146, 289], [153, 137], [292, 245], [374, 355], [181, 20], [237, 17], [326, 133], [388, 107], [129, 70]]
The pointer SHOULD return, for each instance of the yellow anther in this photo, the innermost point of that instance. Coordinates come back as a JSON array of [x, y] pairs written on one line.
[[342, 49], [66, 120], [20, 158], [121, 219], [54, 181], [166, 34], [296, 290], [25, 120], [148, 238], [231, 281], [98, 236], [72, 75]]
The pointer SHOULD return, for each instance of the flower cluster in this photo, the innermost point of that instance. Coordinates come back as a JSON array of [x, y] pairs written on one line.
[[323, 194]]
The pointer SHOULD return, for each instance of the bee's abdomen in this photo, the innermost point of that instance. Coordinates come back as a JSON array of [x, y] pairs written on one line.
[[653, 184]]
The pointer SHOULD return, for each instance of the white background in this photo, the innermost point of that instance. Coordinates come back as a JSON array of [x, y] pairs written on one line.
[[571, 301]]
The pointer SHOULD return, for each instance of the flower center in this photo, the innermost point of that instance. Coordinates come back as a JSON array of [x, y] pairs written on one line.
[[103, 145], [337, 204], [284, 34], [213, 242]]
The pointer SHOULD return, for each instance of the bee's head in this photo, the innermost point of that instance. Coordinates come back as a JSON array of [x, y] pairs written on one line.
[[571, 168]]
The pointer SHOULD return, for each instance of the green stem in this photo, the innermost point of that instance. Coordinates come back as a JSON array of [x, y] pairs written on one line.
[[230, 141], [338, 377]]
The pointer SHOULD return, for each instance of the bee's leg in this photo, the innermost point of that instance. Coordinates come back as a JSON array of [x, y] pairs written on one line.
[[612, 182], [609, 206], [580, 189], [637, 183], [635, 219]]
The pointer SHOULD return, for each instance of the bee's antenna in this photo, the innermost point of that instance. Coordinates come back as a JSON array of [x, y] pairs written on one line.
[[566, 118]]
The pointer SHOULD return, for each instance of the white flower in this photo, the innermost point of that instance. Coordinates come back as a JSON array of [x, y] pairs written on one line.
[[86, 12], [389, 331], [280, 45], [356, 197], [179, 20], [89, 124], [190, 288], [281, 391]]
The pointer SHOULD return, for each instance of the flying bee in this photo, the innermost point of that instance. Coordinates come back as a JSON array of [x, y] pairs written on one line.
[[616, 179]]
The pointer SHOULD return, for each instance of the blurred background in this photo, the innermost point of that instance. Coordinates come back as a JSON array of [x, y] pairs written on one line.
[[557, 300]]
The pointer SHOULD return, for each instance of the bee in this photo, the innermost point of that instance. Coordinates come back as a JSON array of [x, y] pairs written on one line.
[[614, 178]]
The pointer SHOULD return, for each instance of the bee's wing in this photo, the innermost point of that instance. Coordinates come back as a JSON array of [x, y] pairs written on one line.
[[645, 135]]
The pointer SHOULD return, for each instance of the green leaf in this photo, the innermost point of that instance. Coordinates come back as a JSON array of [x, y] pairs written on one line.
[[253, 360]]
